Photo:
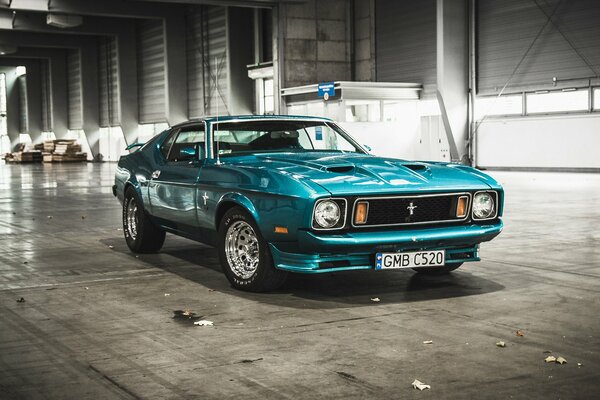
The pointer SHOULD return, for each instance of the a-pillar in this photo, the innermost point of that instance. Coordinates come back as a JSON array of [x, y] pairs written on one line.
[[453, 75]]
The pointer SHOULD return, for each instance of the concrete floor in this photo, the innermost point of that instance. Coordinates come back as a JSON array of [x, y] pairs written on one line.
[[97, 321]]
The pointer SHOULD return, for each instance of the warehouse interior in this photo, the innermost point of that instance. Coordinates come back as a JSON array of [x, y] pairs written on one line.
[[511, 87]]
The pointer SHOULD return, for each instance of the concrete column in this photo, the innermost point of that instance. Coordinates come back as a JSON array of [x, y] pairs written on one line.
[[128, 83], [89, 97], [34, 101], [58, 87], [453, 73], [175, 68], [12, 104]]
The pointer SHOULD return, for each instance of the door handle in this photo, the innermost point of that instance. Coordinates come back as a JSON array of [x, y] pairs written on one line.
[[156, 174]]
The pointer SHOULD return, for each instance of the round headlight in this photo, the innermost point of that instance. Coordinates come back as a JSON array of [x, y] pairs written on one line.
[[327, 214], [483, 205]]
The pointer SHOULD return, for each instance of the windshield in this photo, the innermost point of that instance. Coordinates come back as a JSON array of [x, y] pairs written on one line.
[[273, 136]]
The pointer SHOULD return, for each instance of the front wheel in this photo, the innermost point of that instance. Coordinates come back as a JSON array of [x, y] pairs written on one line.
[[141, 235], [244, 254], [438, 270]]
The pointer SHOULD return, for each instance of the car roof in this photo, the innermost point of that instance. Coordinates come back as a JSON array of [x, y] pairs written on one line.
[[228, 118]]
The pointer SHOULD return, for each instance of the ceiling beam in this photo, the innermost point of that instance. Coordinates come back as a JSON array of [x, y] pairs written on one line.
[[105, 8]]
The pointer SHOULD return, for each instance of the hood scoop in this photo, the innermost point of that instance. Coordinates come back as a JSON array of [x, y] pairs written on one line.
[[340, 168], [416, 167]]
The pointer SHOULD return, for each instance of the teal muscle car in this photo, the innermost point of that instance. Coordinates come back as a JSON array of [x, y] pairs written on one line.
[[280, 194]]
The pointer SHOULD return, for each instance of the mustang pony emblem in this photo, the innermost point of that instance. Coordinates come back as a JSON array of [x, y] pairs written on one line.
[[411, 208]]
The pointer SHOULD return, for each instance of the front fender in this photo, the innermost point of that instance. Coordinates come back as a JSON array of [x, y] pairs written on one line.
[[241, 200]]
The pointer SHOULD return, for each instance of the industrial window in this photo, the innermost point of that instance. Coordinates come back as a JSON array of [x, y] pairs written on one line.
[[363, 111], [573, 100], [269, 99], [502, 105], [597, 99]]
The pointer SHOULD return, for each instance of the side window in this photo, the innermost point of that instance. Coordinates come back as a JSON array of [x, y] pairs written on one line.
[[188, 146], [166, 146]]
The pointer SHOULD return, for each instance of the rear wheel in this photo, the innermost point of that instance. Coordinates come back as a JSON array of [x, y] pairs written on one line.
[[244, 254], [141, 235], [446, 269]]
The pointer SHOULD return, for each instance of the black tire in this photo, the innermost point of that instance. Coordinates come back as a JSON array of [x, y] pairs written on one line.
[[245, 247], [446, 269], [141, 235]]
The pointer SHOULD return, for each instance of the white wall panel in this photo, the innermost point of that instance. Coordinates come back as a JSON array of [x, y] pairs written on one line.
[[545, 142]]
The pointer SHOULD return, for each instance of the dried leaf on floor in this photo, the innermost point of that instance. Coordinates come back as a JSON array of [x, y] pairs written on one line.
[[203, 322], [375, 299], [550, 359], [21, 300], [83, 217], [561, 360], [428, 342], [501, 344], [187, 312], [417, 384], [520, 333]]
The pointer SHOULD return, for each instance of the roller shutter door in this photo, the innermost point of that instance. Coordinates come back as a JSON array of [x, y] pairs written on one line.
[[46, 96], [23, 111], [74, 90], [507, 28], [151, 71], [195, 47], [216, 74], [108, 80], [405, 37]]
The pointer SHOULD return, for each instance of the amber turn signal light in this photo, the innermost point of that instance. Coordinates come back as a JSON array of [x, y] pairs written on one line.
[[361, 212], [461, 206], [281, 229]]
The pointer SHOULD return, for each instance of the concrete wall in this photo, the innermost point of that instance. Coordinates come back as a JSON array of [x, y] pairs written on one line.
[[315, 37], [540, 142]]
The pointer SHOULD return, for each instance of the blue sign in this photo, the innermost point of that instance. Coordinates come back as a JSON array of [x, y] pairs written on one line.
[[318, 133], [326, 88]]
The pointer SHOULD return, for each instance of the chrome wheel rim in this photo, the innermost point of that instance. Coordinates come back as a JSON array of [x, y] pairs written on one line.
[[241, 249], [131, 219]]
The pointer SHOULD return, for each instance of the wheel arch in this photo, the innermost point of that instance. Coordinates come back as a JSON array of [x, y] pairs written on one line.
[[230, 200]]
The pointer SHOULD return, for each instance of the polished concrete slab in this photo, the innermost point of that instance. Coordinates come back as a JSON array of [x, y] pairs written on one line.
[[97, 321]]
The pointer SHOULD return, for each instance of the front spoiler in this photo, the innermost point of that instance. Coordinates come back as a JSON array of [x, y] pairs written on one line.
[[354, 251]]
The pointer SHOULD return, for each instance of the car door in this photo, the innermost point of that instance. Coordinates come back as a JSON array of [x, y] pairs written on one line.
[[172, 188]]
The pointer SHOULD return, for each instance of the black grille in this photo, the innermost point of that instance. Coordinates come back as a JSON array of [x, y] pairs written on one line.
[[395, 211]]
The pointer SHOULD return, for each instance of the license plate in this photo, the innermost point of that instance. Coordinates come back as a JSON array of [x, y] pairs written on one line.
[[415, 259]]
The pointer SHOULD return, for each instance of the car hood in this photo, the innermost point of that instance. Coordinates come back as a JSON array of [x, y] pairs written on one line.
[[349, 173]]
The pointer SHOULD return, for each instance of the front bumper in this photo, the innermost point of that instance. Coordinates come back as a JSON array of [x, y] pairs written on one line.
[[314, 253]]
